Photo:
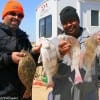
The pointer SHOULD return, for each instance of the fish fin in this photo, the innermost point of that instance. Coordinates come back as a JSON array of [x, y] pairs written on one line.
[[51, 85], [78, 77], [72, 68], [26, 94], [48, 55], [40, 59]]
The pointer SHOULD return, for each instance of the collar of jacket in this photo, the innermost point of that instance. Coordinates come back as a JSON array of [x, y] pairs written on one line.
[[19, 32]]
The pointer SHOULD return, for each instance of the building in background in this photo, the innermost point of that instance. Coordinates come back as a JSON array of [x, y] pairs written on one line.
[[48, 19]]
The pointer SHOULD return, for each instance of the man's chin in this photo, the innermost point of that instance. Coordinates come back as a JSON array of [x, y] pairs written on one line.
[[14, 26]]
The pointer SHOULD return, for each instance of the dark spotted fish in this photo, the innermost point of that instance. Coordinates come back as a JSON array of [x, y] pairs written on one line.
[[26, 71], [91, 49], [74, 56]]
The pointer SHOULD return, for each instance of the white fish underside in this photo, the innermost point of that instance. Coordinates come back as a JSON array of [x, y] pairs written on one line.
[[49, 59], [50, 56], [74, 56]]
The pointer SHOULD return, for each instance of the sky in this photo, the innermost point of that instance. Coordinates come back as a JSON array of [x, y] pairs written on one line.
[[29, 22]]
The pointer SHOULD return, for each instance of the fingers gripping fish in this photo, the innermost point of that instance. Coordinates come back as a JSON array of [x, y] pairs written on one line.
[[74, 56], [49, 58], [92, 48]]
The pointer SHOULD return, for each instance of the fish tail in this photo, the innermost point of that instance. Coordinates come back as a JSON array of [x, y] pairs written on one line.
[[88, 76], [27, 94], [48, 55], [78, 78]]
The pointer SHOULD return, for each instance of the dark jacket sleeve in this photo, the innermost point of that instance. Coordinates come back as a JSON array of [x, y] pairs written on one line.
[[6, 47], [5, 59]]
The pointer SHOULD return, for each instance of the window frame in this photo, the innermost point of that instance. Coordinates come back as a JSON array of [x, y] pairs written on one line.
[[98, 18], [43, 32]]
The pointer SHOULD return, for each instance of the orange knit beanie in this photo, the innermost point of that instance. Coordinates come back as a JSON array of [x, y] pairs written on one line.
[[12, 5]]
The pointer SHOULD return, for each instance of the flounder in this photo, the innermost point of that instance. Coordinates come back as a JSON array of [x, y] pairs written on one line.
[[49, 58], [91, 49], [74, 56], [26, 71]]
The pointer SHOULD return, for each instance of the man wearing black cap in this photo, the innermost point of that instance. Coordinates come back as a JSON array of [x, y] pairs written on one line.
[[64, 88]]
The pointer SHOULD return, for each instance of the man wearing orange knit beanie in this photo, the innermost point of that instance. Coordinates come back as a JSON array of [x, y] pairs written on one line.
[[12, 41]]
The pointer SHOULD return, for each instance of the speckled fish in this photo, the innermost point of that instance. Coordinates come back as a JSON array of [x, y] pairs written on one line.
[[74, 56], [26, 71], [49, 58], [92, 48]]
